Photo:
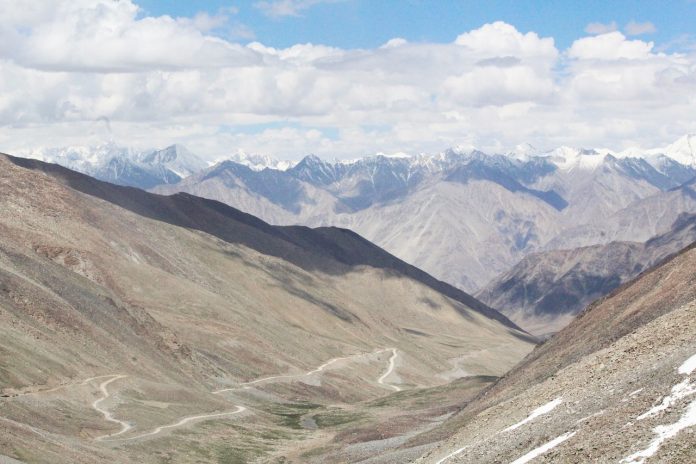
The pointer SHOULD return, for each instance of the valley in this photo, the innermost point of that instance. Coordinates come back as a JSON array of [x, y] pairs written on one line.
[[143, 328], [149, 328], [347, 232]]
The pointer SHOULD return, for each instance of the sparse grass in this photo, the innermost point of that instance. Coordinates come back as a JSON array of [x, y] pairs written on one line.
[[290, 414], [318, 451], [200, 449], [337, 417], [232, 455], [276, 434], [425, 397]]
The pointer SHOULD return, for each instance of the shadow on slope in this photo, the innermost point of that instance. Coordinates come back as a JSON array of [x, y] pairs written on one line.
[[328, 249]]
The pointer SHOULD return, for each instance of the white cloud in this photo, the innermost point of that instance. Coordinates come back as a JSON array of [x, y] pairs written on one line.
[[492, 85], [395, 42], [601, 28], [634, 28], [280, 8], [610, 46], [501, 39], [107, 36], [65, 67]]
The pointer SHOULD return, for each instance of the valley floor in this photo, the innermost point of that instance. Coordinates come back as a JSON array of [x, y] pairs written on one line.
[[259, 425]]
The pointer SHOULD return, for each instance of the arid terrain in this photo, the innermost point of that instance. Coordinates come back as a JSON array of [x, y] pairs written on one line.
[[151, 329], [617, 385]]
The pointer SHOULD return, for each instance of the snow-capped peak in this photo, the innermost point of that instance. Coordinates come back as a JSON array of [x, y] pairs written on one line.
[[683, 150], [568, 158], [523, 151], [463, 149], [259, 162], [80, 158], [177, 158]]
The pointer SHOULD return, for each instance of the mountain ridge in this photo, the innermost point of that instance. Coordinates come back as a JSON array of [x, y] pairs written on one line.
[[547, 289], [182, 209], [462, 215], [509, 207]]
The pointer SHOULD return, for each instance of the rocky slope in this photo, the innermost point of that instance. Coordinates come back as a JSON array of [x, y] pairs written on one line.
[[142, 328], [616, 385], [546, 290]]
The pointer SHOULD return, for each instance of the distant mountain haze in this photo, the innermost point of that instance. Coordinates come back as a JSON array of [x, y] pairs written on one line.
[[546, 290], [464, 216]]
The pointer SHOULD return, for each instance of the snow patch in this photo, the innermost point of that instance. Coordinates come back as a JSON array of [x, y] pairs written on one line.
[[536, 452], [451, 455], [683, 150], [679, 391], [689, 366], [257, 162], [590, 417], [664, 433], [545, 409], [567, 158]]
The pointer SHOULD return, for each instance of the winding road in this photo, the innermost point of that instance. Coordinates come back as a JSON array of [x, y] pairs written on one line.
[[285, 376], [59, 387], [182, 422], [245, 385], [390, 369], [125, 426]]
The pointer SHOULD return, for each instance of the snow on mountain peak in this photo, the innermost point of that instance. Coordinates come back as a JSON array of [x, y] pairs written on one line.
[[523, 151], [567, 158], [177, 158], [463, 149], [80, 158], [683, 150], [259, 162], [397, 155]]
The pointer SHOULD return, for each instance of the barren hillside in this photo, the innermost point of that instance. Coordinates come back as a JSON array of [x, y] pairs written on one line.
[[143, 328]]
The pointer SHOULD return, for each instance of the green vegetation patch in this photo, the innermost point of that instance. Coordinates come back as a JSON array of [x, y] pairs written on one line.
[[337, 417], [234, 455], [290, 414]]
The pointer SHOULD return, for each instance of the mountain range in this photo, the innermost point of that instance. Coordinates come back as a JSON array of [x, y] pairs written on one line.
[[125, 166], [145, 328], [546, 290], [464, 216]]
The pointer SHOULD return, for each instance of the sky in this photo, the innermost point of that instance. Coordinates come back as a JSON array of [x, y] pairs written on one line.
[[345, 78]]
